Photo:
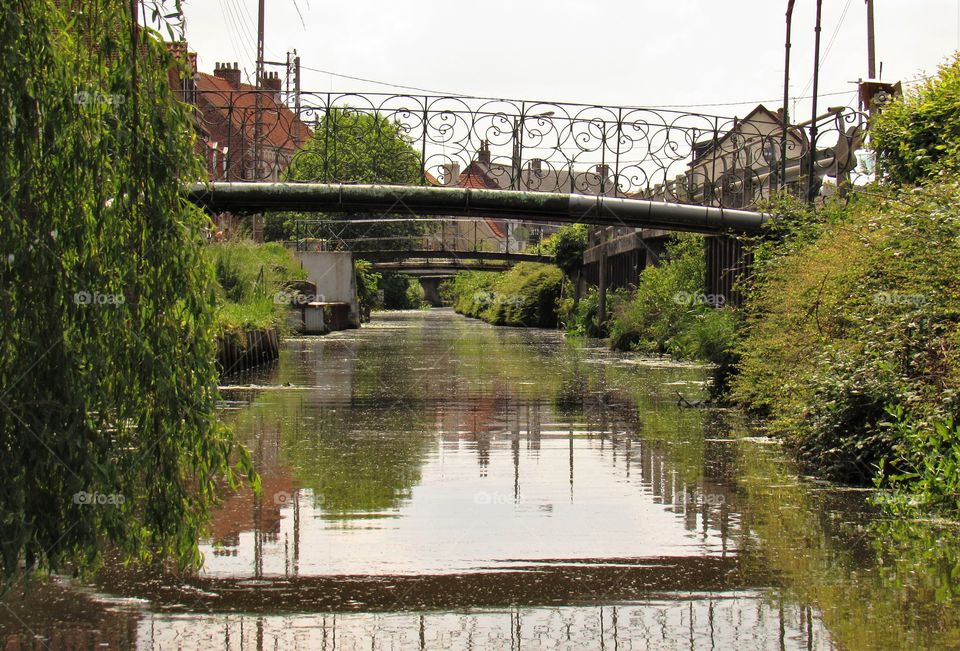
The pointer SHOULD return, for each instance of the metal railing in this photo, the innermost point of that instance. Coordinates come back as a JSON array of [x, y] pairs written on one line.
[[446, 235], [614, 151]]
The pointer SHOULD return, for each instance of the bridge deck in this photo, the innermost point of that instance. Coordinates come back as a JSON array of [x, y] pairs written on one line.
[[549, 207], [378, 256]]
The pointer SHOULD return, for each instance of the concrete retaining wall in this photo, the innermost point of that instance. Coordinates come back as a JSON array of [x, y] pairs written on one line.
[[335, 278]]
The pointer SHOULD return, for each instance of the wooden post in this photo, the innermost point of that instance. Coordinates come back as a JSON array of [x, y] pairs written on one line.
[[602, 288]]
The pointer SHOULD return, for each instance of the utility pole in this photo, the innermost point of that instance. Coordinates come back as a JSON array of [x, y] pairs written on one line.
[[296, 84], [811, 163], [871, 43], [258, 118], [786, 97]]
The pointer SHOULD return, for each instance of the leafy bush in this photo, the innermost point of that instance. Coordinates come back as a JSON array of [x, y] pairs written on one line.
[[580, 318], [927, 458], [665, 301], [524, 296], [919, 135], [857, 321], [368, 286], [567, 246]]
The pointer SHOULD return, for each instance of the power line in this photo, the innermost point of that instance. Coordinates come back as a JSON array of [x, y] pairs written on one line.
[[387, 83], [239, 50], [468, 96], [826, 51]]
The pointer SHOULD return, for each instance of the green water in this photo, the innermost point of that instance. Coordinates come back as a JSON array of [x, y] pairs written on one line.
[[435, 482]]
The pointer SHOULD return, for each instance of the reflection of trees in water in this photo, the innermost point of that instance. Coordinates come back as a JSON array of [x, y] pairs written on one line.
[[880, 582], [359, 458]]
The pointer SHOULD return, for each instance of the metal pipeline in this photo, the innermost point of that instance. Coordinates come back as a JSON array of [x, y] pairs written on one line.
[[548, 207]]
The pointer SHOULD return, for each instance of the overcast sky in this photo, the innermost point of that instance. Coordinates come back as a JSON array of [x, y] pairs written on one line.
[[639, 53]]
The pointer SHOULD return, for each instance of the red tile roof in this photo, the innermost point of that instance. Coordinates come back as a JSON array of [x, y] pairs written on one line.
[[280, 128]]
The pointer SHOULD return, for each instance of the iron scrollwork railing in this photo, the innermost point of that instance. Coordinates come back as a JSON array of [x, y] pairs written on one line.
[[521, 145]]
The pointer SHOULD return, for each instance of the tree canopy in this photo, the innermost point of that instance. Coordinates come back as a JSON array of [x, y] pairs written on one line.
[[920, 134], [352, 146]]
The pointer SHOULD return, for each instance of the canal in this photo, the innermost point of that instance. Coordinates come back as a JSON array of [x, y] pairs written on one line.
[[435, 482]]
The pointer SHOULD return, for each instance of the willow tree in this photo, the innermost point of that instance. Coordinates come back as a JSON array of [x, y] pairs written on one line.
[[108, 434]]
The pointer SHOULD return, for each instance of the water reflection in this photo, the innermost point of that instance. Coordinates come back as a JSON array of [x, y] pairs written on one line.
[[433, 482]]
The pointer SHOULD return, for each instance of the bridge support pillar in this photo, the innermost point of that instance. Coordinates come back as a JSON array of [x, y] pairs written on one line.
[[431, 290]]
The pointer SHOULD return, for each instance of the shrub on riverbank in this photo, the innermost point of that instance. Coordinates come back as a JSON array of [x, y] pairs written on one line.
[[250, 283], [853, 347], [524, 296], [855, 324], [918, 136]]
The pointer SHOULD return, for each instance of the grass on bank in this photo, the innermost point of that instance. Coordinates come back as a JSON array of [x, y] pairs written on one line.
[[250, 280]]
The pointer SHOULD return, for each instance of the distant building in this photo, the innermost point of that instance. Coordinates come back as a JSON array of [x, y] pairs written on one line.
[[243, 134], [247, 134]]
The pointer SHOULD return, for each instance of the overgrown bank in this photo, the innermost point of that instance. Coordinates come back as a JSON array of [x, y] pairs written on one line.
[[524, 296], [251, 279]]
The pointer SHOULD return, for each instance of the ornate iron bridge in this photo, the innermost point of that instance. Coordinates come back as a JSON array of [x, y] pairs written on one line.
[[525, 146]]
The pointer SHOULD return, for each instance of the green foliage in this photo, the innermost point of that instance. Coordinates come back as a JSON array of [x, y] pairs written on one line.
[[524, 296], [926, 456], [667, 299], [918, 136], [581, 318], [251, 281], [368, 285], [107, 353], [858, 321], [401, 292], [567, 246], [351, 146]]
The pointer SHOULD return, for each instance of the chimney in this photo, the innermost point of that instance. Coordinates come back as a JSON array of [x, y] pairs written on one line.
[[483, 156], [229, 74], [272, 82], [536, 166], [451, 174]]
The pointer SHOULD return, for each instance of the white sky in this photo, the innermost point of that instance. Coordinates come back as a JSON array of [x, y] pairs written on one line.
[[639, 53]]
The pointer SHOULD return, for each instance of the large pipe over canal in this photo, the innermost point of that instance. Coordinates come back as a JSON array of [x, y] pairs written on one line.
[[551, 207]]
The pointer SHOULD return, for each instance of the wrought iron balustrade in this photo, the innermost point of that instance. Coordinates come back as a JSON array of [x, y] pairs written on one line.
[[637, 152]]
